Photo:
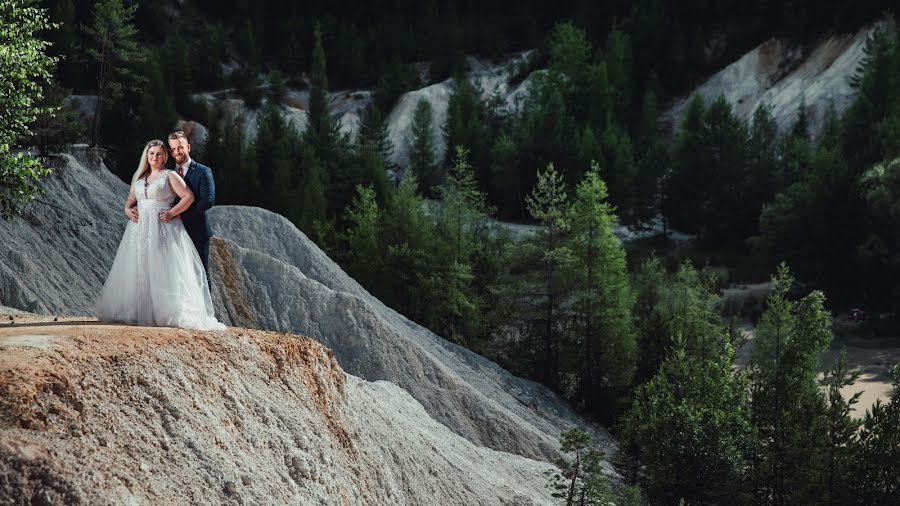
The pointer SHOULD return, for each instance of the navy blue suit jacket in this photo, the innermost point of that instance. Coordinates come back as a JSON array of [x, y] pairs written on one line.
[[200, 180]]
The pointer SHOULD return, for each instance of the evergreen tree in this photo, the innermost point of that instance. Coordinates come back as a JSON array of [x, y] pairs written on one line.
[[547, 205], [113, 48], [311, 181], [407, 239], [842, 430], [320, 127], [605, 342], [422, 154], [691, 422], [507, 188], [178, 73], [725, 214], [788, 410], [464, 125], [373, 133], [800, 129], [363, 247], [24, 66], [682, 194], [59, 125], [156, 111], [762, 158], [619, 65], [581, 481], [622, 170], [877, 460], [65, 41], [880, 253]]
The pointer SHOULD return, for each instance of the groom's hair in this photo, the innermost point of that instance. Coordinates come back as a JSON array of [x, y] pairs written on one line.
[[178, 134]]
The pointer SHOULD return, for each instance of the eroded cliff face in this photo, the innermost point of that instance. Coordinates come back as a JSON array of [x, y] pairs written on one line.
[[266, 274], [783, 77], [405, 418], [107, 414]]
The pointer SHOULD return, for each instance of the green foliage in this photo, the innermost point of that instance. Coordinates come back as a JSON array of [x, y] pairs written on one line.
[[65, 41], [549, 255], [422, 155], [365, 251], [604, 340], [319, 120], [880, 253], [58, 126], [465, 126], [876, 462], [113, 47], [691, 423], [580, 480], [156, 111], [788, 410], [24, 67], [842, 431]]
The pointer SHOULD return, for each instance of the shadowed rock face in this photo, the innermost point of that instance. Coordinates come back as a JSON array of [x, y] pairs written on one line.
[[267, 274], [109, 414]]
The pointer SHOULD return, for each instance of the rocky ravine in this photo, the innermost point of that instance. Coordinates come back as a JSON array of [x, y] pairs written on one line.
[[268, 275], [109, 414]]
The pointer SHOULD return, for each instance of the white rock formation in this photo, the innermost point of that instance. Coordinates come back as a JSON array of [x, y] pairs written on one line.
[[107, 414], [487, 77], [269, 275], [780, 77]]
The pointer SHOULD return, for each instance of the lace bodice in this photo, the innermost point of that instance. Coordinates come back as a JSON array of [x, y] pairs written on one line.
[[158, 191]]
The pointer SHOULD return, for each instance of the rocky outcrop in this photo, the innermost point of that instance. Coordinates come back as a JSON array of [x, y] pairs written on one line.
[[781, 77], [268, 275], [108, 414]]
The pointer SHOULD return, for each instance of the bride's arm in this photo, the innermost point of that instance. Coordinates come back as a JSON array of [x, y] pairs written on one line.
[[131, 206], [183, 192]]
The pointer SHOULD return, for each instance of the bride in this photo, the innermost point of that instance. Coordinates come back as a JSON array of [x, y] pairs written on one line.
[[157, 278]]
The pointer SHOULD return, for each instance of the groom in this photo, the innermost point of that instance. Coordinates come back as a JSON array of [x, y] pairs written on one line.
[[200, 180]]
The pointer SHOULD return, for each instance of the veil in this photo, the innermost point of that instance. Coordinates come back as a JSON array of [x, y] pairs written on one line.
[[142, 165]]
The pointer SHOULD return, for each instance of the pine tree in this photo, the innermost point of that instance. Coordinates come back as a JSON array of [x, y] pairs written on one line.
[[621, 168], [691, 423], [842, 432], [363, 247], [605, 340], [156, 111], [788, 410], [320, 127], [113, 47], [507, 189], [65, 41], [178, 73], [581, 481], [619, 64], [311, 181], [422, 155], [682, 194], [547, 205], [877, 460], [373, 133]]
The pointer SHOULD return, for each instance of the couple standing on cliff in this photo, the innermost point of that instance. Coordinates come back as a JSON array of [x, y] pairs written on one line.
[[160, 276]]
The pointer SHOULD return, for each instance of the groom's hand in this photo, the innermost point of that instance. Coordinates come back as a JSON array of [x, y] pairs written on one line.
[[132, 214]]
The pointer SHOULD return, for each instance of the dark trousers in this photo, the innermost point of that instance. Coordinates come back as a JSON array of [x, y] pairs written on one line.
[[202, 245]]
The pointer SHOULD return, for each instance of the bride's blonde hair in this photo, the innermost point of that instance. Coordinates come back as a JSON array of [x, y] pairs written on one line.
[[143, 166]]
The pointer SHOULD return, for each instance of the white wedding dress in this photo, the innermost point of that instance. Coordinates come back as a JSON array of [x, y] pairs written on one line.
[[157, 278]]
